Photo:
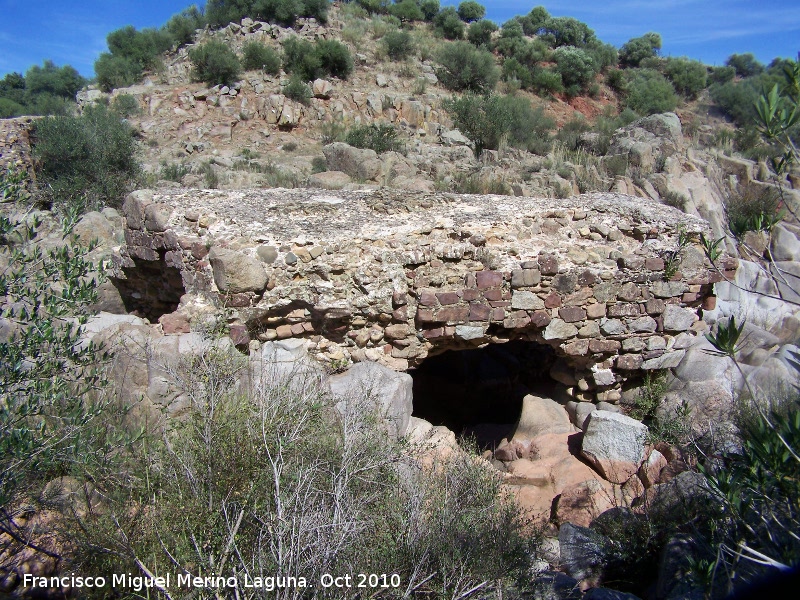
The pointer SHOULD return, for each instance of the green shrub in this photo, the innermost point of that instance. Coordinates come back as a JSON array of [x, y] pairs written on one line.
[[9, 108], [649, 92], [256, 55], [312, 61], [615, 79], [534, 21], [380, 138], [173, 171], [466, 68], [285, 12], [545, 81], [745, 65], [480, 32], [569, 133], [182, 27], [429, 8], [635, 50], [298, 90], [470, 11], [215, 63], [575, 66], [753, 210], [513, 70], [115, 71], [489, 120], [737, 99], [63, 82], [87, 161], [722, 74], [688, 77], [604, 56], [407, 10], [567, 31], [398, 44], [125, 106], [334, 58], [449, 24]]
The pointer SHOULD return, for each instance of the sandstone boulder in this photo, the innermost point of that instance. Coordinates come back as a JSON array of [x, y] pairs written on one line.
[[235, 272], [356, 162], [388, 391], [541, 415], [614, 444], [330, 180]]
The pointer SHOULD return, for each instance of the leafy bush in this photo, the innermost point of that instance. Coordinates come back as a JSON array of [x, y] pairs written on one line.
[[722, 74], [380, 138], [298, 90], [449, 24], [311, 61], [407, 10], [649, 92], [688, 77], [173, 171], [470, 11], [575, 66], [488, 120], [398, 44], [215, 63], [45, 90], [745, 65], [480, 32], [9, 108], [603, 56], [256, 55], [737, 99], [635, 50], [116, 71], [753, 211], [85, 161], [334, 58], [285, 12], [430, 8], [125, 106], [63, 82], [182, 27], [466, 68], [545, 81], [567, 31], [513, 70]]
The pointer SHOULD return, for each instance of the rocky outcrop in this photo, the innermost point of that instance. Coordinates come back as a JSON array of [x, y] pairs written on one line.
[[393, 277]]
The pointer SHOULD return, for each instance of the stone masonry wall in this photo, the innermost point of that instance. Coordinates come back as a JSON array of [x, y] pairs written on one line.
[[393, 276]]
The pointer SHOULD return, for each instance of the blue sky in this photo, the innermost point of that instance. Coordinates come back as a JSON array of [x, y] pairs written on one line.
[[73, 32]]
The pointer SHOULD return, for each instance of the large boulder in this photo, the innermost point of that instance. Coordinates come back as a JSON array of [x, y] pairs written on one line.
[[541, 415], [583, 551], [235, 272], [358, 163], [390, 392], [614, 444]]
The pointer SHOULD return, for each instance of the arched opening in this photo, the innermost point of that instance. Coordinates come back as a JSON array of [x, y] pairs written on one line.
[[150, 288], [479, 392]]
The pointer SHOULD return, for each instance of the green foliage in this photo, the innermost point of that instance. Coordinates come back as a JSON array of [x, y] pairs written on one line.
[[545, 81], [448, 24], [737, 99], [778, 117], [380, 138], [407, 10], [131, 53], [398, 44], [85, 161], [534, 21], [51, 381], [284, 12], [183, 25], [513, 70], [649, 92], [312, 61], [116, 71], [752, 210], [256, 55], [125, 106], [745, 65], [575, 66], [466, 68], [688, 77], [480, 32], [722, 74], [603, 55], [567, 31], [430, 8], [173, 171], [45, 90], [672, 429], [215, 63], [470, 11], [298, 90], [635, 50], [489, 120]]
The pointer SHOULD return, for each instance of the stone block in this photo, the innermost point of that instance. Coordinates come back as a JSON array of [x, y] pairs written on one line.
[[596, 311], [479, 312], [572, 314], [488, 279], [623, 309], [526, 301]]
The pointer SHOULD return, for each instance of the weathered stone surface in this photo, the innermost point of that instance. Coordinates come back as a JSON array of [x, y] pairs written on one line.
[[560, 330], [541, 415], [677, 318], [614, 445], [526, 301], [235, 272], [389, 391]]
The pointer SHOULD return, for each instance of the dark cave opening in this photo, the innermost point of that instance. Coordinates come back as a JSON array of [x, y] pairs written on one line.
[[150, 288], [479, 392]]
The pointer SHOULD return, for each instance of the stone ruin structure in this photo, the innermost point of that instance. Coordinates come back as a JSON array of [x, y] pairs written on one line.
[[395, 277]]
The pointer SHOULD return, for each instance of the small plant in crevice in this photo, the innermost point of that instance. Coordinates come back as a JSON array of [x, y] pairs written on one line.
[[753, 210], [672, 258], [674, 199]]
